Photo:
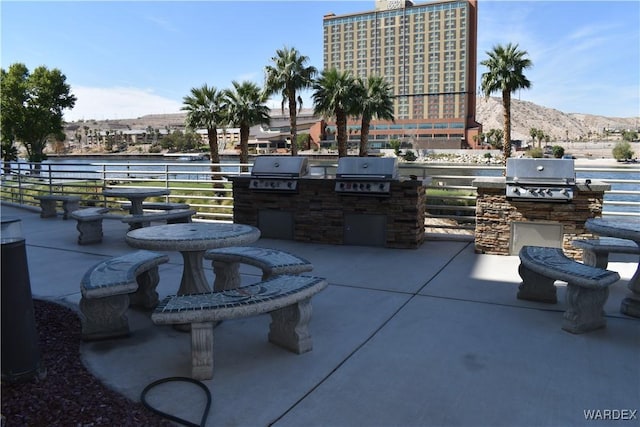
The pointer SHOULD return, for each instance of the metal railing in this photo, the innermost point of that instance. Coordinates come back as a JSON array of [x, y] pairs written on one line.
[[450, 202]]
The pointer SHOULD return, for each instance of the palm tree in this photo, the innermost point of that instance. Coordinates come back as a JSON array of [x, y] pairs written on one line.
[[205, 109], [336, 95], [245, 108], [505, 74], [287, 75], [375, 102]]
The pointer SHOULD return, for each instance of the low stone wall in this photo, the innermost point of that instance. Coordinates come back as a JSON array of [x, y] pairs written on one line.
[[495, 214], [319, 212]]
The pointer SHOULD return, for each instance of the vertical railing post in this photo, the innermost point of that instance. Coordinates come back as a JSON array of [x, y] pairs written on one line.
[[166, 182], [50, 177], [20, 191]]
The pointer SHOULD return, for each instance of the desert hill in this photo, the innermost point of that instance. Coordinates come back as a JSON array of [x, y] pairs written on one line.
[[524, 116], [558, 125]]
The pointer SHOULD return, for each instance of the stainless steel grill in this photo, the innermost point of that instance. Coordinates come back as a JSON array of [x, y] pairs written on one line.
[[546, 180], [278, 173], [366, 175]]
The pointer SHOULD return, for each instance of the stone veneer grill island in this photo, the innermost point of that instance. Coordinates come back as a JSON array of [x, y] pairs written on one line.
[[496, 215]]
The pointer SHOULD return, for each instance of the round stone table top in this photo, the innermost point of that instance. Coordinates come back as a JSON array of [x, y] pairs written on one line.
[[194, 236]]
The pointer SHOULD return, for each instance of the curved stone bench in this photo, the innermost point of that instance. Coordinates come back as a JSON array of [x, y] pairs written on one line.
[[89, 224], [596, 252], [105, 289], [286, 298], [173, 216], [160, 206], [587, 286], [48, 204], [226, 264]]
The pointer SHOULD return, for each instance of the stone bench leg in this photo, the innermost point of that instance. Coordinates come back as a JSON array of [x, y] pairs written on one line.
[[227, 275], [202, 351], [584, 309], [136, 225], [185, 220], [104, 317], [536, 287], [69, 206], [595, 259], [90, 231], [48, 208], [146, 295], [290, 327]]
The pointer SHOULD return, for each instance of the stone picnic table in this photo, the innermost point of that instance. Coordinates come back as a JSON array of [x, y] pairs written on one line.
[[623, 229], [192, 240], [136, 195]]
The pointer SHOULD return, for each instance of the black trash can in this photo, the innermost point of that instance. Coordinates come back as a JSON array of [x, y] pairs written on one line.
[[20, 348]]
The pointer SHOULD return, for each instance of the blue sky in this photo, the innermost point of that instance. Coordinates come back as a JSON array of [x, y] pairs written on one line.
[[127, 59]]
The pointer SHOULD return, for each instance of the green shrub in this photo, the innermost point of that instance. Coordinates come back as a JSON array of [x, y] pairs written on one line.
[[558, 151], [410, 156], [536, 153], [622, 151]]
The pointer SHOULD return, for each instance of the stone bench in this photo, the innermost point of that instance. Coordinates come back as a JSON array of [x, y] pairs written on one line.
[[587, 286], [226, 264], [286, 298], [48, 204], [173, 216], [159, 206], [596, 252], [106, 289], [89, 224]]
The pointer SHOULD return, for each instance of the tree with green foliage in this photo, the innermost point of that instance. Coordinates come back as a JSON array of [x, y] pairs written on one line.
[[495, 138], [245, 108], [395, 145], [205, 110], [304, 141], [629, 135], [333, 97], [288, 75], [622, 151], [533, 133], [180, 141], [505, 75], [32, 106], [9, 154], [558, 151], [375, 101]]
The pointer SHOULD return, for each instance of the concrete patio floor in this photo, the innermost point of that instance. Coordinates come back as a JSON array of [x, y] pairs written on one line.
[[427, 337]]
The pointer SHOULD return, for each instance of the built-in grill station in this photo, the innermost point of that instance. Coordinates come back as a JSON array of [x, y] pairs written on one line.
[[538, 202], [364, 204], [366, 175], [278, 173], [548, 180]]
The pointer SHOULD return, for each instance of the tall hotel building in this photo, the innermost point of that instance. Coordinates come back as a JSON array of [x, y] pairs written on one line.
[[427, 52]]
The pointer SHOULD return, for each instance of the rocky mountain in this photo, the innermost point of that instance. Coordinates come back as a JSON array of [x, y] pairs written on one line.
[[558, 125], [524, 116]]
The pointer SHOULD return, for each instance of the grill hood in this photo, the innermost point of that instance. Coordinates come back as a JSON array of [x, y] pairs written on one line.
[[363, 168], [540, 171], [280, 166]]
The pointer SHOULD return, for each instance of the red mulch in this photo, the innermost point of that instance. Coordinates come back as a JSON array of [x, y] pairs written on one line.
[[69, 395]]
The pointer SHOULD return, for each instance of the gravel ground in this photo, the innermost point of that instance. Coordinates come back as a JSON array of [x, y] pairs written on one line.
[[69, 395]]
